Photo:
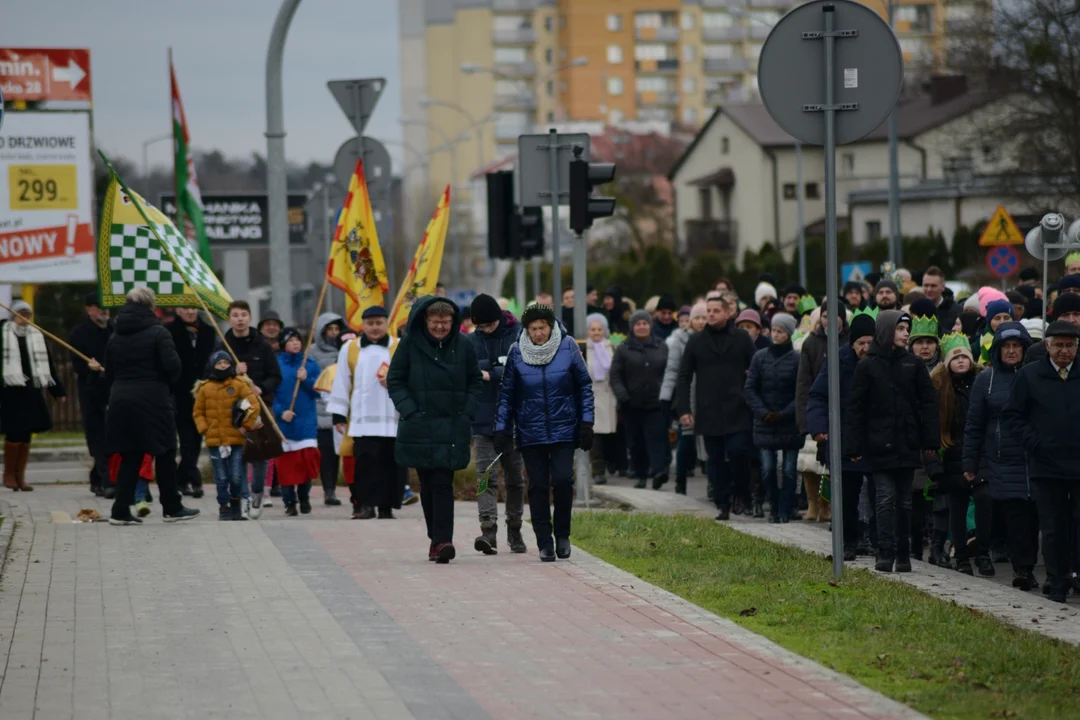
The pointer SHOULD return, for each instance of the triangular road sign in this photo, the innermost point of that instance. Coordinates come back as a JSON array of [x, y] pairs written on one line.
[[1001, 230], [357, 99]]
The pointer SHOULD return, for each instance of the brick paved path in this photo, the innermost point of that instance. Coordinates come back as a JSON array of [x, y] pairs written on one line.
[[324, 617]]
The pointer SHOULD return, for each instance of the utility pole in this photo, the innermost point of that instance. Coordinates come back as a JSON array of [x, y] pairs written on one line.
[[896, 239]]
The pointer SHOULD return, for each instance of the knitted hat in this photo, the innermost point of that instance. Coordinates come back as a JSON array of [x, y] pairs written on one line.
[[887, 284], [924, 322], [762, 291], [684, 310], [794, 289], [955, 344], [785, 322], [666, 302], [91, 300], [537, 311], [863, 324], [1066, 303], [988, 295], [749, 316], [637, 317], [598, 318], [1029, 273], [1025, 291], [1034, 327], [288, 334], [22, 308], [852, 285], [922, 307], [485, 309], [1069, 282], [996, 307]]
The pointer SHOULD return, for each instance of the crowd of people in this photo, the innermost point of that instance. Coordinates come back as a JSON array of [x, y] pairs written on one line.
[[955, 438]]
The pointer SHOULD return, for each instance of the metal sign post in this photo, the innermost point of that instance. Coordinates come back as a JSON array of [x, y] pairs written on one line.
[[830, 94]]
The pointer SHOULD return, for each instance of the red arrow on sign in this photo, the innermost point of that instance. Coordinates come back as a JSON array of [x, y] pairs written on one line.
[[36, 74]]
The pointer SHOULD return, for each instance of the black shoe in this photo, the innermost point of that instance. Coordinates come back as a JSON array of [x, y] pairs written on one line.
[[185, 490], [364, 512], [224, 512], [98, 491], [759, 510], [1046, 588], [659, 480], [290, 510], [387, 514], [985, 565], [884, 563], [964, 566], [182, 514], [110, 492], [129, 520], [487, 542], [562, 548], [444, 553], [785, 519], [640, 484], [331, 500], [939, 557], [305, 507], [723, 515], [1032, 581], [234, 510], [275, 491], [547, 554], [197, 492], [680, 487], [850, 553], [1022, 580], [774, 519], [514, 537], [903, 564], [1058, 596]]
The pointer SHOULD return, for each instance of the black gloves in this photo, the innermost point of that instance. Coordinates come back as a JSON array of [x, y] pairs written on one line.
[[585, 436], [502, 442], [773, 417]]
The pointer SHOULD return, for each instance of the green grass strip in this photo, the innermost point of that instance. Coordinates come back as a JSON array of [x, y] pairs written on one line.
[[940, 658]]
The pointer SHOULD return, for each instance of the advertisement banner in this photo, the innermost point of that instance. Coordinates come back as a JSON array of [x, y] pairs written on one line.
[[45, 75], [241, 219], [46, 198]]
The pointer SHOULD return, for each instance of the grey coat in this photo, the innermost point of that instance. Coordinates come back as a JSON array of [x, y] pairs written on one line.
[[325, 353]]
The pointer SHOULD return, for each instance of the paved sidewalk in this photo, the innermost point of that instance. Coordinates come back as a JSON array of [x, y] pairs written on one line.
[[1028, 610], [320, 616]]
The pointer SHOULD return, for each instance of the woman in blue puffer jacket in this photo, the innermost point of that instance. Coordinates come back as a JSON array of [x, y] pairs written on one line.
[[997, 456], [547, 394]]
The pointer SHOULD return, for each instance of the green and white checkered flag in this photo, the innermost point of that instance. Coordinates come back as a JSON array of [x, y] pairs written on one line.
[[131, 254]]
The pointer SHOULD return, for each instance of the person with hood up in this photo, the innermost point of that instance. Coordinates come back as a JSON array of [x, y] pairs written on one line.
[[328, 328], [599, 353], [811, 360], [141, 367], [547, 396], [299, 424], [664, 321], [853, 473], [770, 392], [224, 408], [435, 384], [686, 447], [953, 380], [270, 327], [496, 332], [992, 454], [637, 376], [28, 368], [891, 420]]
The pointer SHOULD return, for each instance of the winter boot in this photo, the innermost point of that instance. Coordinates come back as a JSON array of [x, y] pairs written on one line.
[[290, 509], [964, 565], [759, 509], [514, 537], [850, 552], [235, 509], [305, 507], [659, 480], [985, 565], [884, 561], [224, 512], [938, 556], [812, 482], [11, 452], [330, 497], [20, 466], [487, 542], [363, 512], [680, 486], [386, 514]]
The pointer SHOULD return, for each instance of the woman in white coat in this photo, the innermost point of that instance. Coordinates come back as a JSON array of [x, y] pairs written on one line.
[[598, 354]]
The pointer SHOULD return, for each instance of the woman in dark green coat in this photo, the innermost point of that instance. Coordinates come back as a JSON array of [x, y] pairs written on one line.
[[435, 383]]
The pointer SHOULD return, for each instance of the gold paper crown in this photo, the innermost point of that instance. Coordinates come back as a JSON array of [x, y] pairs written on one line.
[[954, 341], [924, 327]]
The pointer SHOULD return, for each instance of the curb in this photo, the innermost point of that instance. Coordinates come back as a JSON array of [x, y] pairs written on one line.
[[7, 531]]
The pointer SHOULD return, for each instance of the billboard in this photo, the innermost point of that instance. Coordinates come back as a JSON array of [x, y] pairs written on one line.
[[45, 75], [46, 198], [241, 219]]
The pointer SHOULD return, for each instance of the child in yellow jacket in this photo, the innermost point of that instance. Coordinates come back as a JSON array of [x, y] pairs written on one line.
[[225, 406]]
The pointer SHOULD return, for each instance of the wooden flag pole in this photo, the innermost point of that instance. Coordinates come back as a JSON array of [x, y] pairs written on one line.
[[310, 339], [52, 337]]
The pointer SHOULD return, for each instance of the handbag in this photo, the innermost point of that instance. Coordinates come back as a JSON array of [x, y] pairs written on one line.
[[263, 443]]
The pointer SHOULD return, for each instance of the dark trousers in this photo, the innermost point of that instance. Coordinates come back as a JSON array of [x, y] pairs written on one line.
[[437, 499], [551, 471], [921, 510], [93, 420], [1022, 530], [958, 507], [292, 493], [615, 449], [851, 488], [1058, 502], [893, 488], [328, 467], [647, 433], [128, 477], [685, 457], [375, 477], [728, 466], [190, 443]]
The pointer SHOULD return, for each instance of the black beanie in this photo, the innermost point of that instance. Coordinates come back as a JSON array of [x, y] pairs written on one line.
[[862, 325], [923, 307], [794, 289], [887, 284], [485, 309], [666, 302], [1066, 302]]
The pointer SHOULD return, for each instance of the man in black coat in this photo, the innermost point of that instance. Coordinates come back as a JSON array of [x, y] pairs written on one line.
[[90, 337], [1040, 412], [195, 341], [891, 420], [948, 310], [719, 357], [1067, 309]]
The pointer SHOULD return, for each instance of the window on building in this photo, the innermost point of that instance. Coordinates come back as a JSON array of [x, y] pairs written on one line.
[[614, 22], [725, 146], [811, 192], [915, 18], [789, 191], [512, 22], [652, 51], [615, 86], [688, 21], [689, 116], [548, 24], [507, 88], [847, 163], [562, 54], [652, 83], [915, 48], [614, 54], [657, 114], [873, 230], [689, 85], [705, 203], [717, 20], [551, 116], [991, 154], [510, 55], [689, 53], [647, 20], [549, 55], [550, 88]]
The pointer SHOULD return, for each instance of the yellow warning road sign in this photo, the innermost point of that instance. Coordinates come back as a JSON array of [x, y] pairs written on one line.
[[1001, 230]]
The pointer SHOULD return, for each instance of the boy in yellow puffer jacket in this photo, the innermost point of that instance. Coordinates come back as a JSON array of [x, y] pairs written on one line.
[[224, 429]]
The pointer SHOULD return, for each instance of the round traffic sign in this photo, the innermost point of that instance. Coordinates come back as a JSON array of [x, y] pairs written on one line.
[[1002, 261], [868, 71]]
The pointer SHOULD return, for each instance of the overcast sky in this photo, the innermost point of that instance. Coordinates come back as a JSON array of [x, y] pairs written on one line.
[[219, 50]]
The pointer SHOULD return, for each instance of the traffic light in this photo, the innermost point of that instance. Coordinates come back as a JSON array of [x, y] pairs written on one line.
[[500, 207], [528, 238], [584, 176]]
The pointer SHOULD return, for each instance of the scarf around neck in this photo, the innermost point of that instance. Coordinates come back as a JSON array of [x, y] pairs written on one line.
[[15, 375], [602, 360], [540, 354]]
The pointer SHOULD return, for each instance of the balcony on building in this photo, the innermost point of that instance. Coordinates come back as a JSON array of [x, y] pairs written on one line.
[[524, 35], [654, 98], [667, 67], [726, 65], [525, 69], [668, 34], [515, 100], [721, 34], [710, 234]]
